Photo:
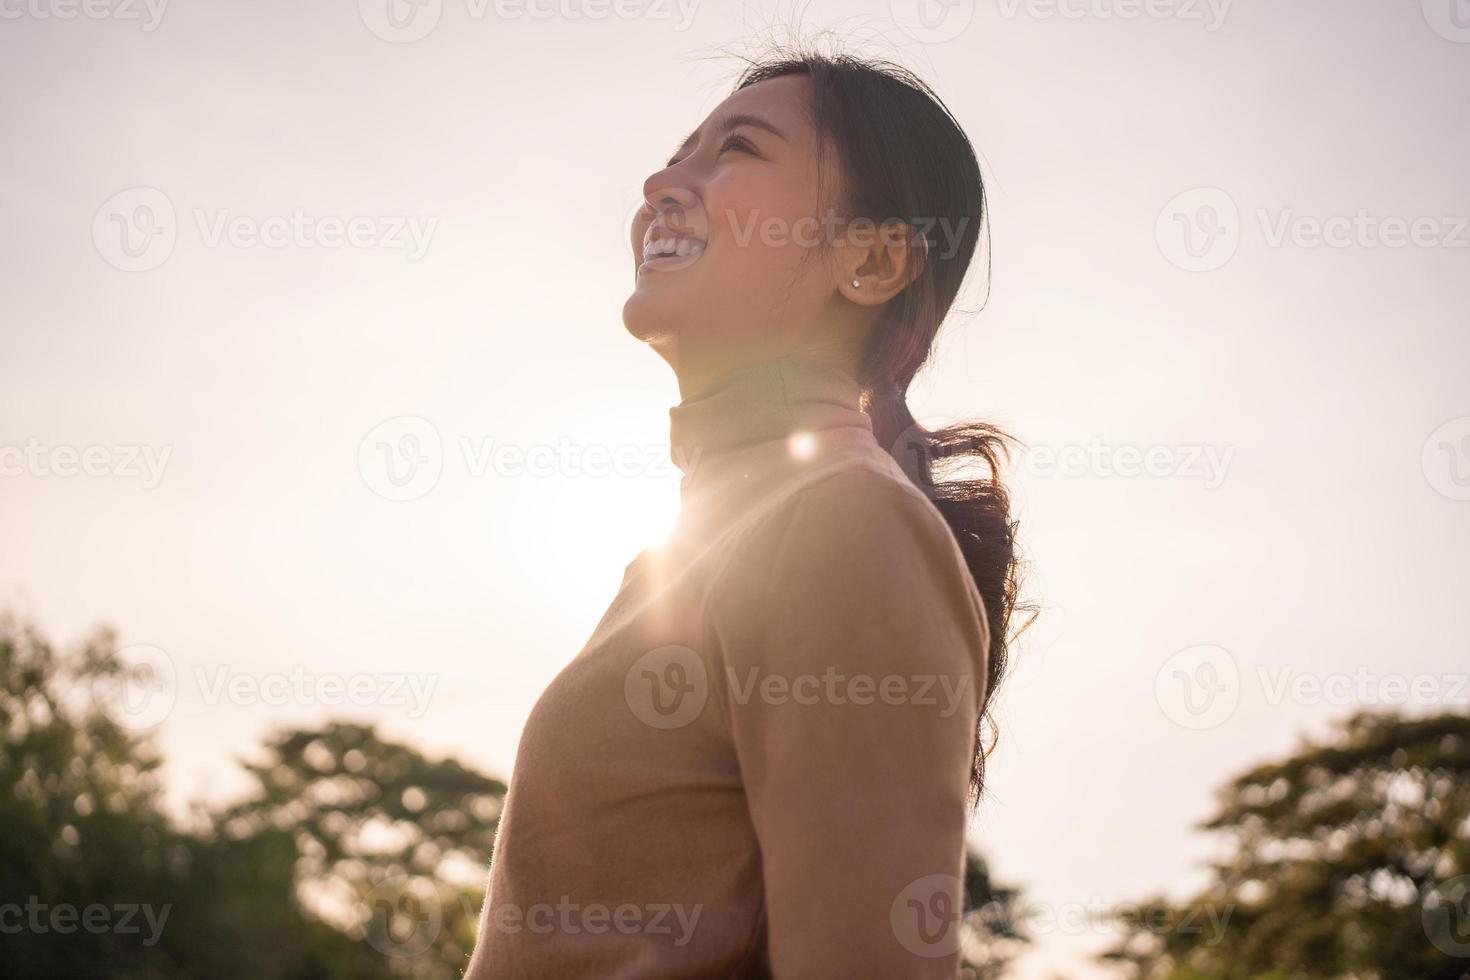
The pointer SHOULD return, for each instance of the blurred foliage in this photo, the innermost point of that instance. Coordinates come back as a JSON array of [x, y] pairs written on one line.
[[993, 933], [379, 828], [351, 856], [1347, 860]]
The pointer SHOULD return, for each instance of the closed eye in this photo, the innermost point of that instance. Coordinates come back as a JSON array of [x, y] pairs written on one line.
[[735, 141], [732, 142]]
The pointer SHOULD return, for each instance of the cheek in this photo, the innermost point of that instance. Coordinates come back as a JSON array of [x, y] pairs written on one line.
[[761, 225]]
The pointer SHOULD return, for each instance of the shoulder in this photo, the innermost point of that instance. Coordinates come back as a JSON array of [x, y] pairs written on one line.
[[854, 573], [860, 510], [859, 542]]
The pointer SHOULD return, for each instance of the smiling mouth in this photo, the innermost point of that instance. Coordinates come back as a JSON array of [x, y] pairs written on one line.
[[672, 252]]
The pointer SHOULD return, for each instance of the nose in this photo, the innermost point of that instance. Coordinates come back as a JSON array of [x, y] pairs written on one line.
[[669, 198]]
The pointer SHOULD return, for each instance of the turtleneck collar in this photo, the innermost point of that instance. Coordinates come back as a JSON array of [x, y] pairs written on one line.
[[761, 405]]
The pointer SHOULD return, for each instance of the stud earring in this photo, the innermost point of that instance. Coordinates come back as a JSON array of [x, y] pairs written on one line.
[[856, 284]]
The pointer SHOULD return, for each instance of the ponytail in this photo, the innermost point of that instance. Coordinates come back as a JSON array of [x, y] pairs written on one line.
[[904, 158], [977, 510]]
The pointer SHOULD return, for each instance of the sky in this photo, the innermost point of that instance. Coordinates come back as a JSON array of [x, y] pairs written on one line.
[[255, 253]]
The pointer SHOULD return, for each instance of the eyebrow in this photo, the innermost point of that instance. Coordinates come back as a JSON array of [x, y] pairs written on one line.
[[733, 122]]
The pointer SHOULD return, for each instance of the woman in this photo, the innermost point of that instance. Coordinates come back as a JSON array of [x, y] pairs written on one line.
[[761, 762]]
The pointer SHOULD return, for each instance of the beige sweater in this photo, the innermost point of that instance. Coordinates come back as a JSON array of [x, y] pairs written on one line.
[[757, 764]]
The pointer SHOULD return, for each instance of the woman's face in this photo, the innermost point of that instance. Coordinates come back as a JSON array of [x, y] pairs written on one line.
[[738, 202]]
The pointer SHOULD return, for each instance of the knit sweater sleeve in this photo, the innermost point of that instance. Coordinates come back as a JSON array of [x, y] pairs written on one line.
[[851, 647]]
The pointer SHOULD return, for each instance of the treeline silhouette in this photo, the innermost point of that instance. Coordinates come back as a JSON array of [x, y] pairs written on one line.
[[353, 856]]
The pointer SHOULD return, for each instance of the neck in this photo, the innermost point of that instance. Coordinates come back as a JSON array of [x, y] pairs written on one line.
[[700, 363], [756, 409], [698, 374]]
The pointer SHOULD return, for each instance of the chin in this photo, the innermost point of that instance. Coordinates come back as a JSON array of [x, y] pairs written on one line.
[[647, 317]]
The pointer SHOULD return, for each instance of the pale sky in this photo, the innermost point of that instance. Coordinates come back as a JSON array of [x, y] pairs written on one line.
[[1294, 372]]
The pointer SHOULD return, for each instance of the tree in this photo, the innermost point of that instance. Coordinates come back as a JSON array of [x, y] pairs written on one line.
[[993, 933], [1348, 859], [392, 846], [248, 892], [80, 824]]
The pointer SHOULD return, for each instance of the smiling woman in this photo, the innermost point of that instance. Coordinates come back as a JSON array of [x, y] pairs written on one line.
[[761, 762]]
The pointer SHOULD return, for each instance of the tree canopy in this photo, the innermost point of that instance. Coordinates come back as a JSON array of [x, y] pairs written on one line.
[[1348, 859]]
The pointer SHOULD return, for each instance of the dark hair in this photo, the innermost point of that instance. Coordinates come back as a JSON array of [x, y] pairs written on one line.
[[904, 159]]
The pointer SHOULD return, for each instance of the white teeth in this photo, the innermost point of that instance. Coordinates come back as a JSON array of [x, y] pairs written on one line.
[[672, 247]]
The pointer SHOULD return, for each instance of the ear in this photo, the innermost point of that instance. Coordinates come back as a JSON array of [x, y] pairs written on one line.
[[876, 262]]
